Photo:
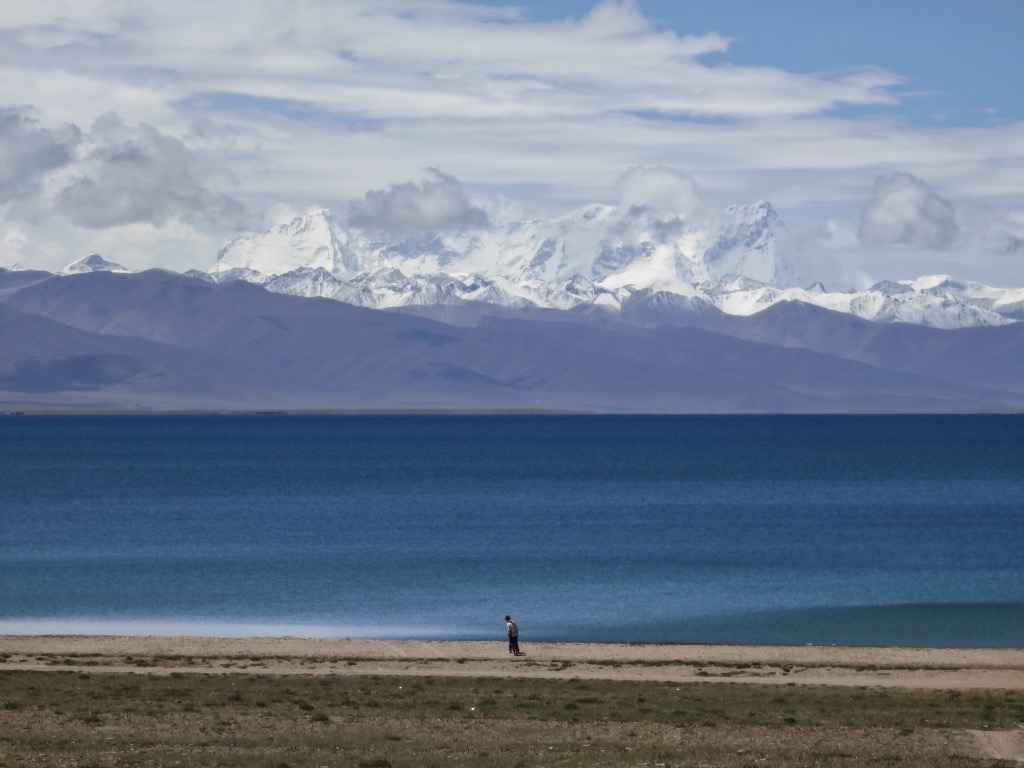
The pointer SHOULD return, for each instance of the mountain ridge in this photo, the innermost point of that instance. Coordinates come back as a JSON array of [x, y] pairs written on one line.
[[604, 309], [740, 260], [157, 339]]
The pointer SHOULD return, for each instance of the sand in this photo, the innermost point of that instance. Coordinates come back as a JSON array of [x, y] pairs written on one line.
[[935, 668]]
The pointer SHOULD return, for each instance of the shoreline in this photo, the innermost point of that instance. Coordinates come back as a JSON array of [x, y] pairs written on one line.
[[875, 666]]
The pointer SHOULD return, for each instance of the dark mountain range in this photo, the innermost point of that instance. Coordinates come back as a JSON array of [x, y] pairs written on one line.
[[158, 340], [44, 363]]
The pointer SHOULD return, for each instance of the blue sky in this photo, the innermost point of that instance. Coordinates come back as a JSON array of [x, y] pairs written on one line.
[[958, 58], [888, 135]]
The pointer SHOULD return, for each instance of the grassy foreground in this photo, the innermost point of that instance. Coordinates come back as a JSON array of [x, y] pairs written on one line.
[[95, 720]]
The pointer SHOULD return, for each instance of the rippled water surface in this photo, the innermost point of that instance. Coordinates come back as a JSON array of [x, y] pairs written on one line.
[[823, 529]]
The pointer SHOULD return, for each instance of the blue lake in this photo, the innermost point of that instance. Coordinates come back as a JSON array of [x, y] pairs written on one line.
[[763, 529]]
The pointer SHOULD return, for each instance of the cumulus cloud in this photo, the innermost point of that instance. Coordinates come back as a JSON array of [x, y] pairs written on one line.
[[128, 175], [987, 229], [1008, 232], [109, 175], [663, 192], [29, 151], [439, 203], [904, 210], [135, 193]]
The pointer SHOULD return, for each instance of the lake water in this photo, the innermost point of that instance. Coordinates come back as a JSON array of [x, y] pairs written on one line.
[[759, 529]]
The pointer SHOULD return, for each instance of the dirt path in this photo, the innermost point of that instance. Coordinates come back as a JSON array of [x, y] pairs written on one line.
[[1001, 745]]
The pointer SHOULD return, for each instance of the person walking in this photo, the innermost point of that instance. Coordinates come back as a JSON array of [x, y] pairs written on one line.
[[512, 630]]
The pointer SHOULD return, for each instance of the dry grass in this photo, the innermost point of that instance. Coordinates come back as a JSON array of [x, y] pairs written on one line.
[[96, 720]]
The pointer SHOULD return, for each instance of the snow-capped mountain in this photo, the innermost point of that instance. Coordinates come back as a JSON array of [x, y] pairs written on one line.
[[740, 262], [599, 243], [92, 263]]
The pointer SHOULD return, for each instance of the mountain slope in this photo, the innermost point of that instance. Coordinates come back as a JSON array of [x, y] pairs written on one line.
[[44, 363], [240, 343], [982, 357]]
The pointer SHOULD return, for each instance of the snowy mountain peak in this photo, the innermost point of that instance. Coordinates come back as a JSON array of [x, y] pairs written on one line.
[[597, 242], [740, 261], [930, 282], [746, 245], [312, 240], [762, 210], [92, 263]]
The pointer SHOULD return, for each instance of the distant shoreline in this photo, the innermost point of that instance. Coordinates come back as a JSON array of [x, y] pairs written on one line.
[[73, 411], [14, 412]]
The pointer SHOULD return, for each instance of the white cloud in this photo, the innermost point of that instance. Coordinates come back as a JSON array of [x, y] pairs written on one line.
[[665, 192], [401, 60], [107, 175], [439, 203], [995, 236], [128, 175], [133, 189], [1006, 230], [904, 210], [316, 106], [29, 151]]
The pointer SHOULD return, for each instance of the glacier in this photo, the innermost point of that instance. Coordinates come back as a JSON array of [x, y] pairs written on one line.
[[600, 258]]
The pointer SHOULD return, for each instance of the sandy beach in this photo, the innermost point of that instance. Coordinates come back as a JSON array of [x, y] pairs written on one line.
[[926, 668]]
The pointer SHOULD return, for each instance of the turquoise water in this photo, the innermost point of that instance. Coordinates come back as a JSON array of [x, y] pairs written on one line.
[[818, 529]]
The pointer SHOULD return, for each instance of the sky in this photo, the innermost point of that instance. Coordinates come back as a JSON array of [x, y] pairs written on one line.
[[888, 136]]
